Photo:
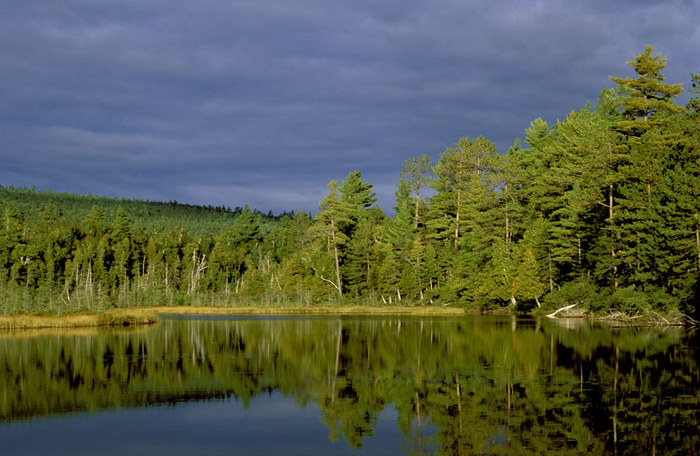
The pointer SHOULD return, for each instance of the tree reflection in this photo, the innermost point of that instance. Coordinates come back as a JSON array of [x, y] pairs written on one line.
[[467, 385]]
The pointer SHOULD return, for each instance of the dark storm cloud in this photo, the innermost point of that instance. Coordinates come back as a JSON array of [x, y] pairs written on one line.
[[264, 102]]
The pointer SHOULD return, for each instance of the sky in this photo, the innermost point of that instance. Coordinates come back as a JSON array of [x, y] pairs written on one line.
[[264, 102]]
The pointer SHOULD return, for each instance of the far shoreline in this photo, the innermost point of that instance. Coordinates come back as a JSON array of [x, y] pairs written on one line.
[[151, 315]]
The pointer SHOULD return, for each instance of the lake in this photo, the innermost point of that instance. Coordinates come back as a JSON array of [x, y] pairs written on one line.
[[351, 385]]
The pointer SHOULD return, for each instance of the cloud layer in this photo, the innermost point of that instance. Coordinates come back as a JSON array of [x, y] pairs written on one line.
[[264, 102]]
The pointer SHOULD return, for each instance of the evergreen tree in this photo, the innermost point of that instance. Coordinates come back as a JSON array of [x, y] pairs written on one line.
[[95, 223], [647, 108], [646, 101], [693, 107], [361, 257], [335, 212], [400, 230], [414, 178], [461, 173], [122, 225], [355, 193], [10, 239]]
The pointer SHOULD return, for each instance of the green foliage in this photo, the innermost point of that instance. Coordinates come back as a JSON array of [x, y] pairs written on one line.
[[693, 106], [601, 207], [646, 101], [414, 178], [583, 292]]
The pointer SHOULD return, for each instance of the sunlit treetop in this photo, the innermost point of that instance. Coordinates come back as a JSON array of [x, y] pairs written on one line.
[[646, 101]]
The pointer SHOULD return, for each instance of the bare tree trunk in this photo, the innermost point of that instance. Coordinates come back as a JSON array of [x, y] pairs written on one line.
[[610, 217], [505, 206], [415, 222], [368, 268], [457, 220], [580, 253], [697, 241], [507, 228], [337, 262]]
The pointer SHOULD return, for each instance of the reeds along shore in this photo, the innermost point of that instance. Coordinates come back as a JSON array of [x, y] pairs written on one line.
[[117, 317], [151, 315]]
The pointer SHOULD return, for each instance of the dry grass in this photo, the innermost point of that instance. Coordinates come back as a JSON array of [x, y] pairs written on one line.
[[117, 317], [148, 315]]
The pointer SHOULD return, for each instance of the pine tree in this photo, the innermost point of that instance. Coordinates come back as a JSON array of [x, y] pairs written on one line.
[[693, 107], [647, 107], [10, 238], [461, 173], [246, 230], [335, 212], [414, 178], [646, 101], [122, 225], [400, 230], [357, 194], [361, 256], [94, 224]]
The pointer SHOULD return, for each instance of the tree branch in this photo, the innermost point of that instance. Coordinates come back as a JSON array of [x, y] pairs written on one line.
[[562, 309], [305, 260]]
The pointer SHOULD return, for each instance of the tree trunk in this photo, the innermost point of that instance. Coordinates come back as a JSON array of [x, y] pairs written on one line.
[[457, 219], [610, 217], [337, 262], [415, 223], [697, 241], [580, 253], [507, 229], [505, 206]]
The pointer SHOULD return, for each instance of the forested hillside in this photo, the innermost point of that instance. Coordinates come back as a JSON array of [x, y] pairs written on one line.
[[600, 209], [148, 215]]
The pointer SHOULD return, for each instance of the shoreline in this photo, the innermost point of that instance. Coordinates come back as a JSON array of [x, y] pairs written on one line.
[[151, 315], [110, 318], [309, 310]]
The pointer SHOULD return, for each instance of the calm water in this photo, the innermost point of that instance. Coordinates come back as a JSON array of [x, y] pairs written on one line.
[[351, 385]]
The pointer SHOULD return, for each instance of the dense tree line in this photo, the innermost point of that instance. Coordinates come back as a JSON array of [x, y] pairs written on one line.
[[147, 215], [600, 209]]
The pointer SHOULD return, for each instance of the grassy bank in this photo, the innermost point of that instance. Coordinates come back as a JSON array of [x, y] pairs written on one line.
[[116, 317], [148, 315], [308, 310]]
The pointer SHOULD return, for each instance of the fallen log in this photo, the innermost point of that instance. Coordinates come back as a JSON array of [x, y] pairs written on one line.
[[562, 309]]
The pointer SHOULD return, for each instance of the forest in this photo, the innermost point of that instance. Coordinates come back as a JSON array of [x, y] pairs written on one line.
[[599, 210]]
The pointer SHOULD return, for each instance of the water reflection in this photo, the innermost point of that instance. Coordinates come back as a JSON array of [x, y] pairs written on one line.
[[466, 385]]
